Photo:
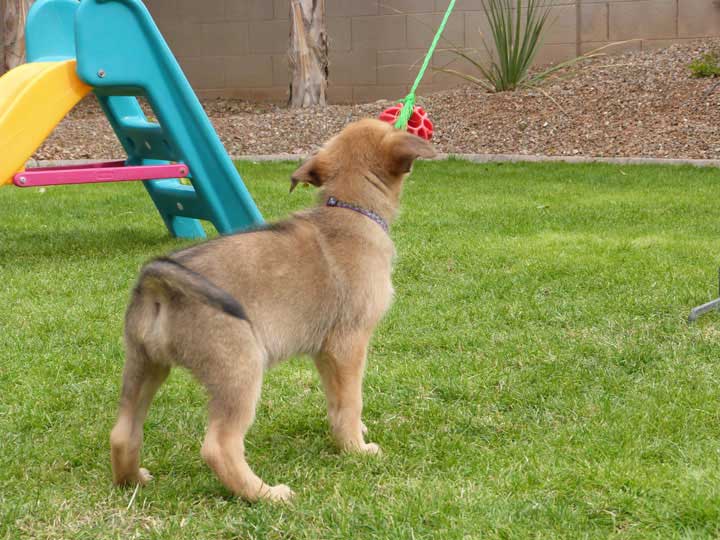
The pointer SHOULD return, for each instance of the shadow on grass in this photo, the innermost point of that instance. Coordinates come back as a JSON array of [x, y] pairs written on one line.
[[18, 245]]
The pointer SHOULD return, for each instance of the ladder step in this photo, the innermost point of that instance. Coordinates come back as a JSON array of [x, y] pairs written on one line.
[[147, 140], [173, 198]]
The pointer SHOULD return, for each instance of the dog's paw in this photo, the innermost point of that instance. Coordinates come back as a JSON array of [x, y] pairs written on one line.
[[371, 449], [143, 476], [279, 493]]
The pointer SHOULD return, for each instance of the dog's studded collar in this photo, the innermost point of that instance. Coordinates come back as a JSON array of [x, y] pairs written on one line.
[[335, 203]]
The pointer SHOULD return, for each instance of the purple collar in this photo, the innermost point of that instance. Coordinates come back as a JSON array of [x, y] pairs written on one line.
[[333, 202]]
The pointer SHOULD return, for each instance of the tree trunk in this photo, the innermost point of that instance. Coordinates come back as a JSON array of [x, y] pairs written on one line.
[[14, 16], [308, 53]]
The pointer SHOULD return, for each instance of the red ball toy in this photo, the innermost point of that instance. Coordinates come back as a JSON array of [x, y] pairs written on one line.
[[418, 124]]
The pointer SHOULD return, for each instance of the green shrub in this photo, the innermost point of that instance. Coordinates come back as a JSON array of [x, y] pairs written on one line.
[[516, 38], [705, 66], [516, 33]]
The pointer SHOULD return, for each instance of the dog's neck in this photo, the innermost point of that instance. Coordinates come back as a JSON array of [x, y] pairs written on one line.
[[332, 202], [367, 191]]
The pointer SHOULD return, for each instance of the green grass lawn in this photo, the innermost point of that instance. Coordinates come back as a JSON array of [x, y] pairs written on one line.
[[535, 377]]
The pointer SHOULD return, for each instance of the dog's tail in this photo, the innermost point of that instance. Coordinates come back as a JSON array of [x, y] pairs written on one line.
[[172, 275]]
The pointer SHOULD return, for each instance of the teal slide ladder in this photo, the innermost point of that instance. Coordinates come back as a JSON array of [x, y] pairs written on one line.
[[122, 55]]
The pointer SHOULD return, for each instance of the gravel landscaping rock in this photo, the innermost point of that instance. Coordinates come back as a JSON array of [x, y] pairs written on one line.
[[635, 104]]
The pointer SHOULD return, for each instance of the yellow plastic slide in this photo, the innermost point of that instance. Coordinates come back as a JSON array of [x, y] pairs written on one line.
[[34, 98]]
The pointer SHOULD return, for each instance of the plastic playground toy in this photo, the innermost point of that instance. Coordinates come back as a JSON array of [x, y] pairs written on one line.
[[407, 115], [418, 124], [114, 49]]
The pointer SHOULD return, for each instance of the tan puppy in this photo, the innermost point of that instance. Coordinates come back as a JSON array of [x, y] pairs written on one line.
[[229, 309]]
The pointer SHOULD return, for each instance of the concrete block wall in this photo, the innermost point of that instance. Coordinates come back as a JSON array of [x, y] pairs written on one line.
[[658, 23], [238, 48], [228, 47]]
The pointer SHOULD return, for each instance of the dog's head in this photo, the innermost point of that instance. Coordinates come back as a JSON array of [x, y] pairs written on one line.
[[365, 147]]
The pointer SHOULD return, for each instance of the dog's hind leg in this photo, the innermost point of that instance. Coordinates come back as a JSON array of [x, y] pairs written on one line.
[[234, 386], [141, 379]]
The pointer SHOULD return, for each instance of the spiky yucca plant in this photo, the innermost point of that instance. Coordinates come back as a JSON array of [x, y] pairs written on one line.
[[516, 32], [516, 40]]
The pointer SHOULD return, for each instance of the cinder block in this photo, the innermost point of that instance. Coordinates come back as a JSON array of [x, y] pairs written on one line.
[[399, 67], [460, 5], [161, 10], [650, 19], [381, 32], [181, 38], [204, 73], [339, 94], [476, 5], [281, 70], [611, 47], [211, 93], [400, 7], [206, 11], [338, 29], [269, 95], [554, 53], [450, 60], [354, 67], [424, 88], [444, 84], [351, 8], [249, 71], [561, 25], [191, 40], [269, 36], [594, 22], [477, 30], [421, 29], [368, 94], [221, 39], [698, 18], [249, 10], [281, 8]]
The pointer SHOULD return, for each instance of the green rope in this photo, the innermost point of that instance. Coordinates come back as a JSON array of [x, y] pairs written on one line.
[[409, 101]]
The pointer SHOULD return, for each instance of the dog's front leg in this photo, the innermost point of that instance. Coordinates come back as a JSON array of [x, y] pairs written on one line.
[[341, 364]]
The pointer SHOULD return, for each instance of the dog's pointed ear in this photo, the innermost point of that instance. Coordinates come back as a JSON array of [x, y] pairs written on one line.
[[308, 173], [403, 149]]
